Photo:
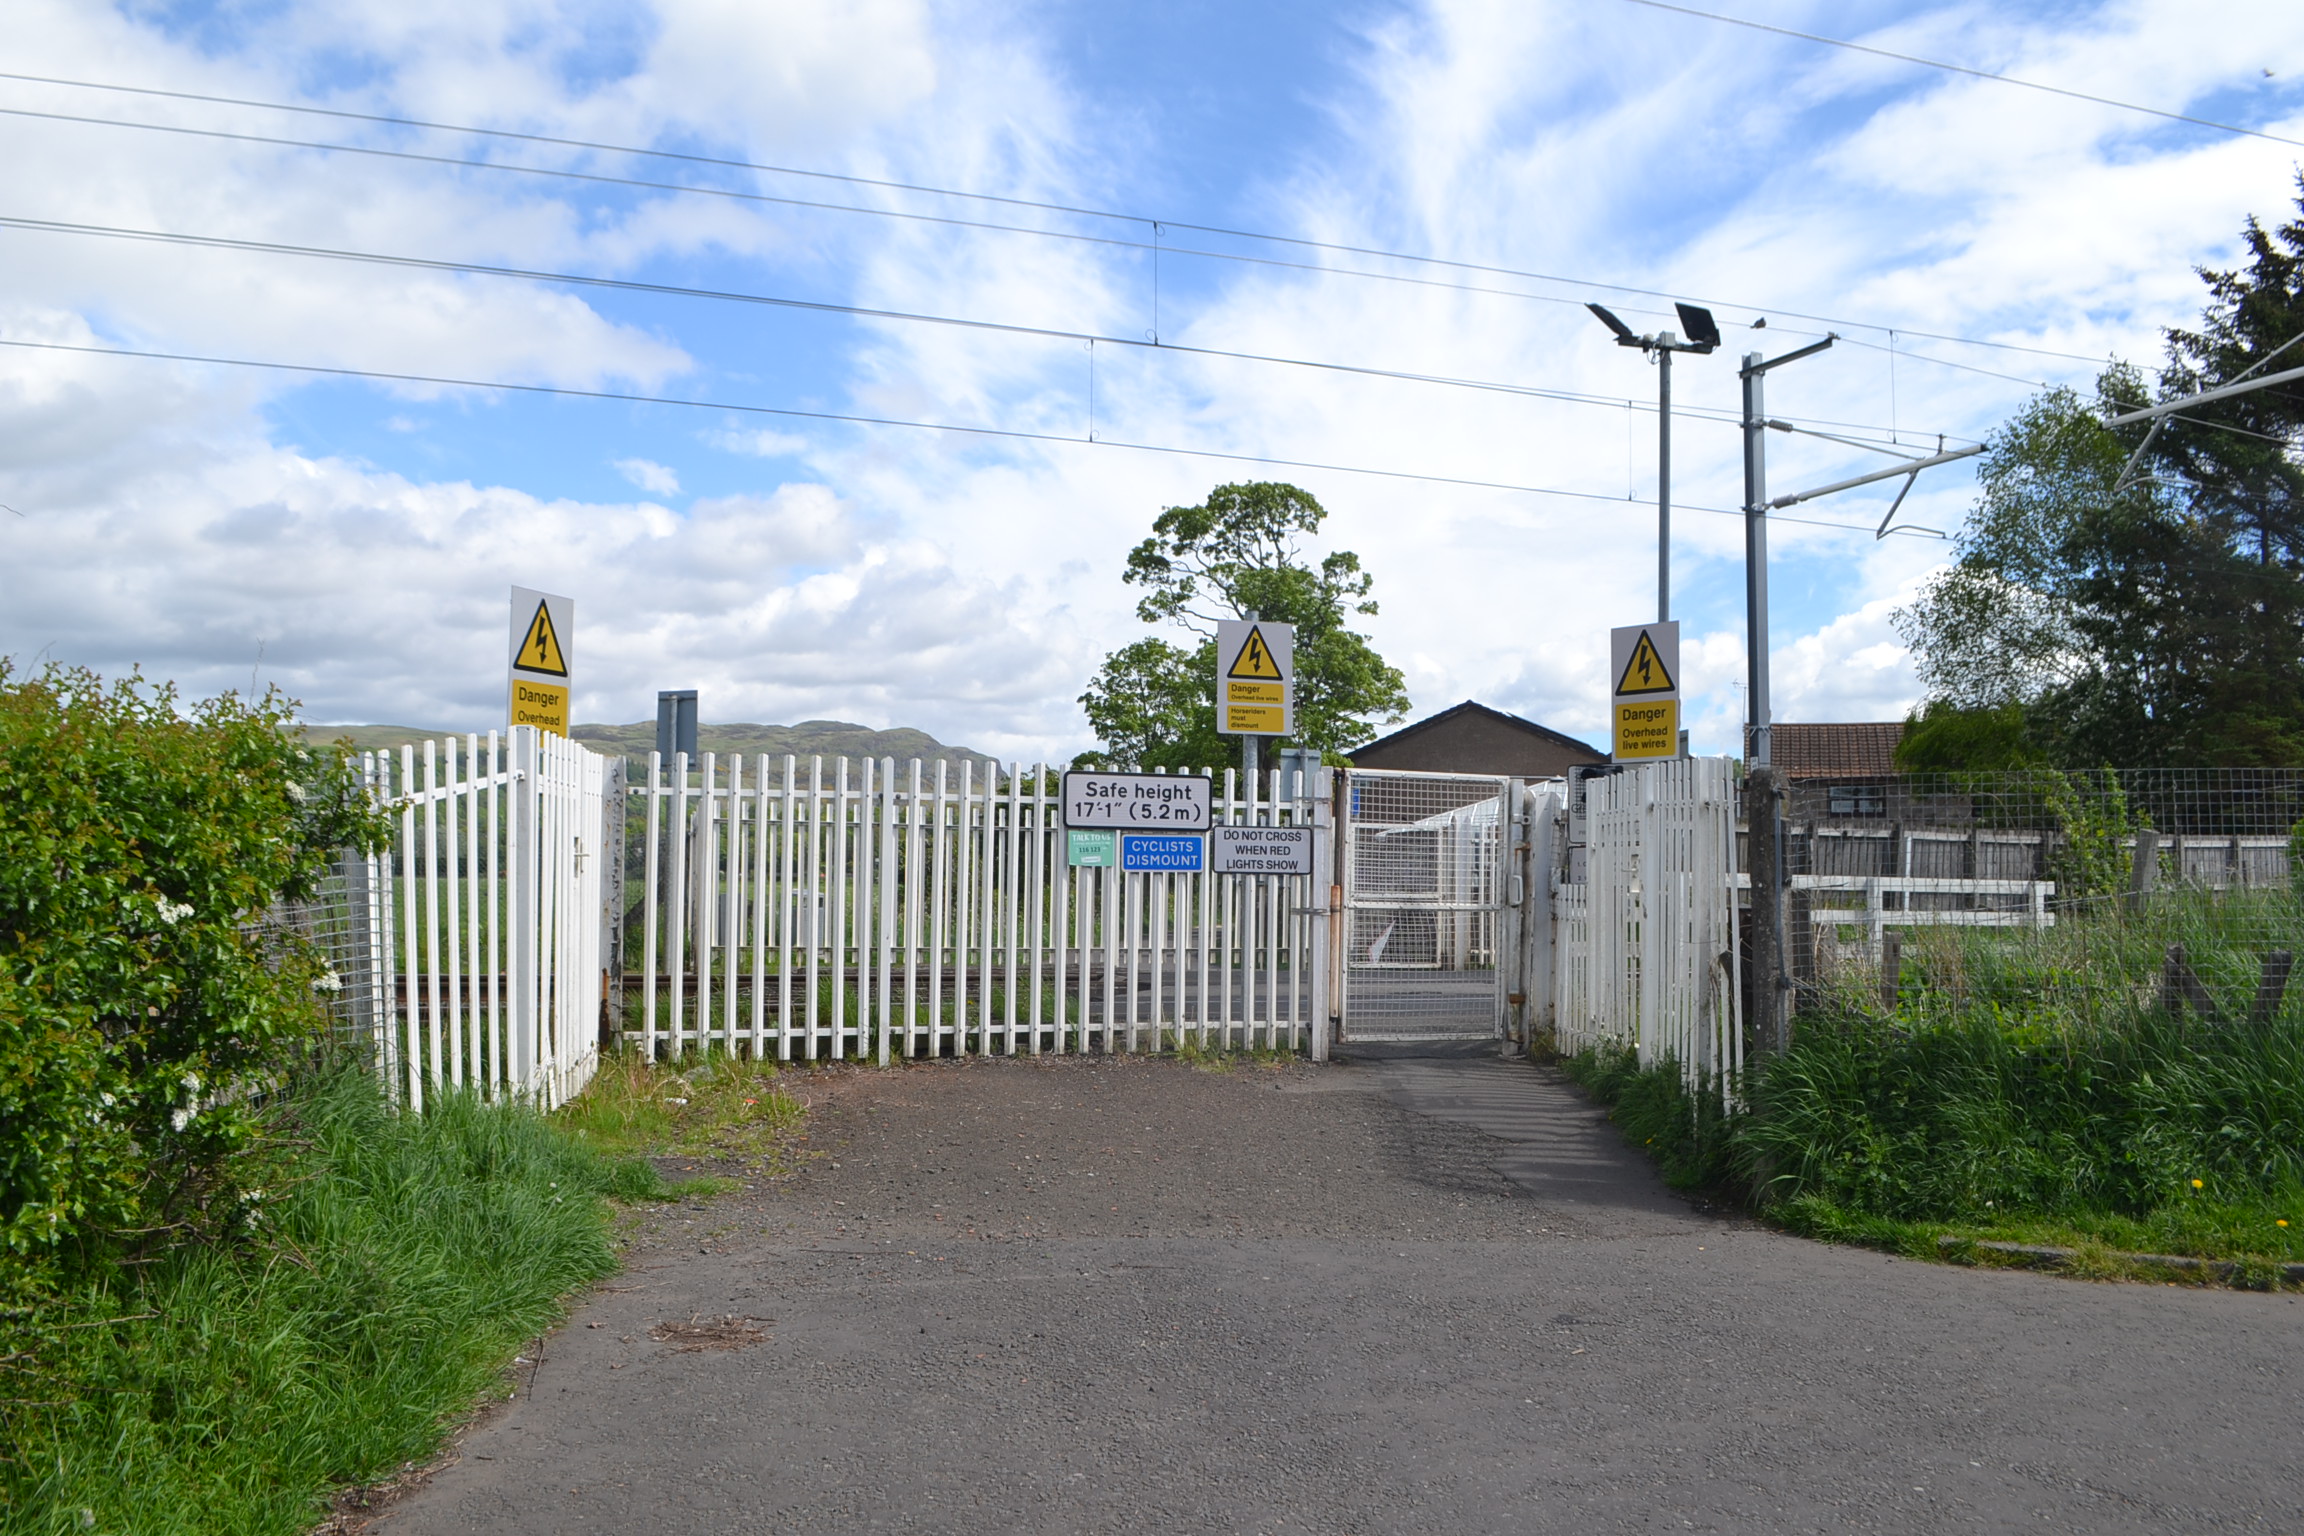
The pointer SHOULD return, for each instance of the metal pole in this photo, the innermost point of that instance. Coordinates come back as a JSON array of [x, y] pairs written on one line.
[[1664, 478], [1756, 558], [1251, 747]]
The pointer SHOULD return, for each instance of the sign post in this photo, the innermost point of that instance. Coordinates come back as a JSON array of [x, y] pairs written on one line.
[[1644, 703], [543, 629]]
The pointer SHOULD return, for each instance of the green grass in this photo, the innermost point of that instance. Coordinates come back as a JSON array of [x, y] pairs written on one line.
[[2026, 1089], [228, 1390], [707, 1105]]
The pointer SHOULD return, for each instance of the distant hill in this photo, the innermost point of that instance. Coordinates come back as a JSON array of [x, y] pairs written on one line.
[[810, 738]]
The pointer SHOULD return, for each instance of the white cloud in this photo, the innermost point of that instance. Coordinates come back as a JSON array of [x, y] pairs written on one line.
[[650, 476], [968, 585], [759, 443]]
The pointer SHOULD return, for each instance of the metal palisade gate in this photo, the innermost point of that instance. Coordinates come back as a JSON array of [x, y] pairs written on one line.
[[1425, 896], [811, 910], [1644, 947], [481, 924]]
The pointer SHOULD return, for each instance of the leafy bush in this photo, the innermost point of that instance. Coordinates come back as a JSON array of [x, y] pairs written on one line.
[[143, 999]]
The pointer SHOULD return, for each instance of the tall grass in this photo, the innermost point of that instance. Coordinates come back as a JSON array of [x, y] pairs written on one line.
[[225, 1390], [2021, 1084]]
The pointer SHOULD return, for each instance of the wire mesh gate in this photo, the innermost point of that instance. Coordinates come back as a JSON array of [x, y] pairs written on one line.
[[1424, 905]]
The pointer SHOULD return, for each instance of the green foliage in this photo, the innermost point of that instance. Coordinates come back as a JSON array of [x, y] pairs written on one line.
[[143, 999], [2027, 1089], [2092, 813], [1943, 737], [2138, 593], [1152, 702], [226, 1388]]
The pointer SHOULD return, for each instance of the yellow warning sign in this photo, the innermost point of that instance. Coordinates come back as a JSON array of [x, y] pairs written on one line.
[[1238, 692], [1255, 660], [1647, 730], [1255, 719], [1644, 672], [542, 705], [540, 649]]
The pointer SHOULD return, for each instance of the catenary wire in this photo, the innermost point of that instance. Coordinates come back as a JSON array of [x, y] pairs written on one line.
[[825, 306], [947, 220], [1963, 69], [1224, 231], [636, 398]]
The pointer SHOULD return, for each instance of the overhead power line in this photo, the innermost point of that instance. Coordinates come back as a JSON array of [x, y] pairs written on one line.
[[1963, 69], [629, 397], [820, 306], [727, 163]]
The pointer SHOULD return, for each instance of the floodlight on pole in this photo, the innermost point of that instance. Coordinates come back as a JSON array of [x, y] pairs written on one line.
[[1703, 336]]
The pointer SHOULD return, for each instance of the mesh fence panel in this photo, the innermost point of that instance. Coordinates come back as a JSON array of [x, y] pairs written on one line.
[[1422, 882], [2055, 895]]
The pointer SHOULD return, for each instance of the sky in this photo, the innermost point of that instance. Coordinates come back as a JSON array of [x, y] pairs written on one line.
[[1188, 243]]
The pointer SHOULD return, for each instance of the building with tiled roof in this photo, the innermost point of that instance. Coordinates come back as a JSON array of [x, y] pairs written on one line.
[[1860, 749]]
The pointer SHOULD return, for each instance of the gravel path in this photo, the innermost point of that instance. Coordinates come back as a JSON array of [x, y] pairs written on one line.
[[1129, 1295]]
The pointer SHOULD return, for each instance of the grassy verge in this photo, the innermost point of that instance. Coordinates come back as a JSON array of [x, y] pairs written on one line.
[[2146, 1134], [226, 1390], [709, 1106]]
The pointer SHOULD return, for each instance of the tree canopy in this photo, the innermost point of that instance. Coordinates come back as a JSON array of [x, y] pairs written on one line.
[[1152, 703], [2134, 596]]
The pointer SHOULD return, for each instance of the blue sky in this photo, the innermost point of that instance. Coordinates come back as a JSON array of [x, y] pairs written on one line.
[[353, 540]]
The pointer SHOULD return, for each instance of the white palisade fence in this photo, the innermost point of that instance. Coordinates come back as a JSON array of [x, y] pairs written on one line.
[[808, 910], [1645, 952], [481, 924]]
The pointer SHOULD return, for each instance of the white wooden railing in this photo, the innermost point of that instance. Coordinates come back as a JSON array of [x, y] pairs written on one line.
[[805, 909]]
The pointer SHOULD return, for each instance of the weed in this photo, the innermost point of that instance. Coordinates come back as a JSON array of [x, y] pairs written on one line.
[[708, 1104]]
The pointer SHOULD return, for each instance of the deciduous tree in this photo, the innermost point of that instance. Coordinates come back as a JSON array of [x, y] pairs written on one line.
[[1241, 551]]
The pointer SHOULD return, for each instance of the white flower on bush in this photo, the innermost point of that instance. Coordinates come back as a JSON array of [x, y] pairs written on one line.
[[298, 793], [329, 981], [173, 912], [190, 1109]]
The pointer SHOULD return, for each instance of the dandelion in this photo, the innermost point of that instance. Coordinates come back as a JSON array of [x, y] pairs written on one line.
[[2283, 1221], [2197, 1184]]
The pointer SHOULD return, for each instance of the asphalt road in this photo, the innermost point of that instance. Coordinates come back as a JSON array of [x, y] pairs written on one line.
[[1091, 1296]]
